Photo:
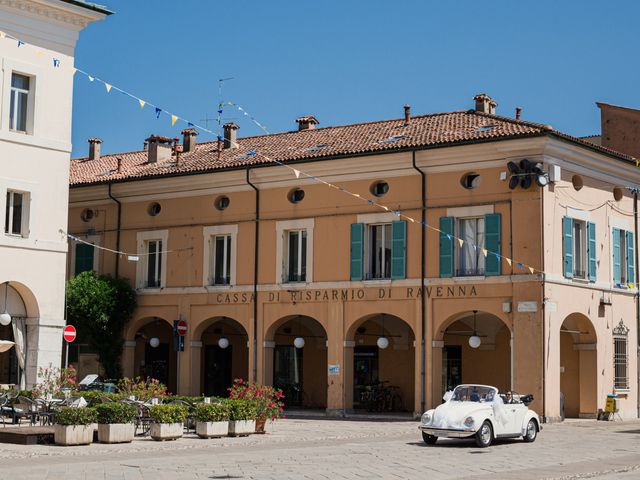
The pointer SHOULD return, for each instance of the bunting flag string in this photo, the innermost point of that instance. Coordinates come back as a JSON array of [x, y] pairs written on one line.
[[296, 171], [119, 252]]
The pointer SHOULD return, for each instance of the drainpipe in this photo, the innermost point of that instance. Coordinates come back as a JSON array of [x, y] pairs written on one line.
[[635, 247], [423, 308], [544, 311], [255, 279], [117, 230]]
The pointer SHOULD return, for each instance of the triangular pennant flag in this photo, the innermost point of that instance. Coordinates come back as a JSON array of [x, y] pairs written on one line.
[[461, 242], [484, 252], [20, 43], [497, 256], [508, 260], [141, 102], [520, 265], [448, 236], [56, 63], [73, 70], [630, 285], [385, 208], [158, 112], [297, 172], [531, 269], [108, 87], [174, 119], [91, 79]]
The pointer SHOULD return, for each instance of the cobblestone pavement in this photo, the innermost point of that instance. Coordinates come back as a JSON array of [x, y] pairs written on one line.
[[342, 449]]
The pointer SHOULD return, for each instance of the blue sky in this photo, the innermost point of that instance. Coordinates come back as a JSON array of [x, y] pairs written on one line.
[[351, 61]]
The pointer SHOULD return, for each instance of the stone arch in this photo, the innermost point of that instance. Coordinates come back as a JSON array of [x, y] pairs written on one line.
[[366, 363], [578, 367], [19, 301], [218, 364], [456, 360], [300, 372]]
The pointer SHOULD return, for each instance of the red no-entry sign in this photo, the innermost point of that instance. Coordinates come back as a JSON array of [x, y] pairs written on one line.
[[69, 333], [181, 328]]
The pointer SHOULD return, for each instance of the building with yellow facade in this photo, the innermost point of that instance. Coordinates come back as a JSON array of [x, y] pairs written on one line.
[[421, 252]]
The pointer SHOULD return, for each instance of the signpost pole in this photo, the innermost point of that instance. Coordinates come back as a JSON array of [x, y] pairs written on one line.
[[66, 357]]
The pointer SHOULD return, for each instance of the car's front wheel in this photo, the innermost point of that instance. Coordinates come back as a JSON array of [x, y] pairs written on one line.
[[484, 436], [429, 439], [532, 431]]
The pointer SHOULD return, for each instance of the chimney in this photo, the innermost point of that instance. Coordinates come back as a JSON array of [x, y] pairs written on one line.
[[307, 123], [485, 104], [189, 139], [230, 135], [94, 148], [407, 114], [518, 112], [159, 148], [119, 164]]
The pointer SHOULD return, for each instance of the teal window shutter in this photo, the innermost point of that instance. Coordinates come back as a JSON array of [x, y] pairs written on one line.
[[398, 249], [446, 246], [591, 251], [357, 251], [567, 246], [617, 273], [84, 258], [492, 244], [630, 258]]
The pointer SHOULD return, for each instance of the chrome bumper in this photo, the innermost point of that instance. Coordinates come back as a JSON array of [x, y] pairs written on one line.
[[447, 432]]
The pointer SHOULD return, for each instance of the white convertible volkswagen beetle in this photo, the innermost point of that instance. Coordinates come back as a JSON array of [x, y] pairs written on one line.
[[480, 411]]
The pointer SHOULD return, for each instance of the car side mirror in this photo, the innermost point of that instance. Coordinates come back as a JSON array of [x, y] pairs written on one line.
[[447, 396]]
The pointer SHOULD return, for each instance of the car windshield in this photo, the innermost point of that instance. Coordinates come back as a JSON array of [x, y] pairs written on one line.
[[473, 393]]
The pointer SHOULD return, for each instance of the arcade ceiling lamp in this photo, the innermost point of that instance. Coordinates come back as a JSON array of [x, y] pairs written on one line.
[[383, 341], [154, 342], [474, 340], [223, 342], [298, 342], [5, 318], [525, 173]]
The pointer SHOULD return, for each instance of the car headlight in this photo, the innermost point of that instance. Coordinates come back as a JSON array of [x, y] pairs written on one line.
[[426, 417], [468, 422]]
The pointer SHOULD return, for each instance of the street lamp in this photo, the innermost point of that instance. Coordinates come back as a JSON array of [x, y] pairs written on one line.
[[383, 342], [298, 342], [154, 342], [5, 318], [223, 342], [474, 340]]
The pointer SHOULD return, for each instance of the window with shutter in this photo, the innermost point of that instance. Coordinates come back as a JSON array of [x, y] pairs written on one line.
[[492, 244], [398, 250], [446, 246], [357, 251]]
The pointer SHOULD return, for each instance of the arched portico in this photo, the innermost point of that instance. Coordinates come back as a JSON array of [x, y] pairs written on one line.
[[476, 348], [393, 365], [224, 355], [296, 360], [13, 357], [578, 367], [151, 358]]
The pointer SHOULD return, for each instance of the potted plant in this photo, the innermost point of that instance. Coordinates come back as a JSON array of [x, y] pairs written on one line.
[[116, 422], [167, 421], [73, 426], [212, 420], [242, 417], [268, 400]]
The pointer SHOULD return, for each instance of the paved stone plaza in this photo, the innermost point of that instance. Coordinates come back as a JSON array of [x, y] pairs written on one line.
[[335, 449]]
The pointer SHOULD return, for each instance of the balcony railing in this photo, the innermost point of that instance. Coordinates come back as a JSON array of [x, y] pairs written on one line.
[[377, 276], [153, 283], [294, 277], [470, 272], [221, 281]]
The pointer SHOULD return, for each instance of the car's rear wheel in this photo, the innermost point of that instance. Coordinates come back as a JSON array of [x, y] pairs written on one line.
[[532, 431], [484, 436], [429, 439]]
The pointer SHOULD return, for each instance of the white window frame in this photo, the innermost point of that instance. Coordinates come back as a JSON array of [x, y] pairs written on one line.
[[93, 239], [35, 75], [584, 245], [143, 238], [302, 234], [208, 269], [623, 225], [26, 208], [369, 219], [14, 97], [282, 245]]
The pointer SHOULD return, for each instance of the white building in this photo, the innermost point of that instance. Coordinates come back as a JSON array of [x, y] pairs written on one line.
[[37, 41]]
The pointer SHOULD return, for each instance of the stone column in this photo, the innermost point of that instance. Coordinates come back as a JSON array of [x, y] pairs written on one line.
[[348, 347], [267, 363], [335, 358], [436, 373], [195, 354], [128, 358]]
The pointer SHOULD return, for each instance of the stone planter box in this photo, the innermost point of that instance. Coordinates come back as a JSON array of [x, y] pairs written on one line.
[[73, 434], [116, 432], [241, 428], [212, 429], [166, 431]]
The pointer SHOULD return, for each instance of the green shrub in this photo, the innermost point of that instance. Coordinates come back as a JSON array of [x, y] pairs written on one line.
[[94, 397], [211, 412], [241, 409], [115, 413], [184, 398], [169, 413], [75, 416]]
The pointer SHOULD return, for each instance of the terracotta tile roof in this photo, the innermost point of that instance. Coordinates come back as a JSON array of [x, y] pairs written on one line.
[[441, 129]]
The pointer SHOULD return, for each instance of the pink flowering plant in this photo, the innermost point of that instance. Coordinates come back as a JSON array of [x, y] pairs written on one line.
[[269, 401], [142, 389], [52, 380]]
